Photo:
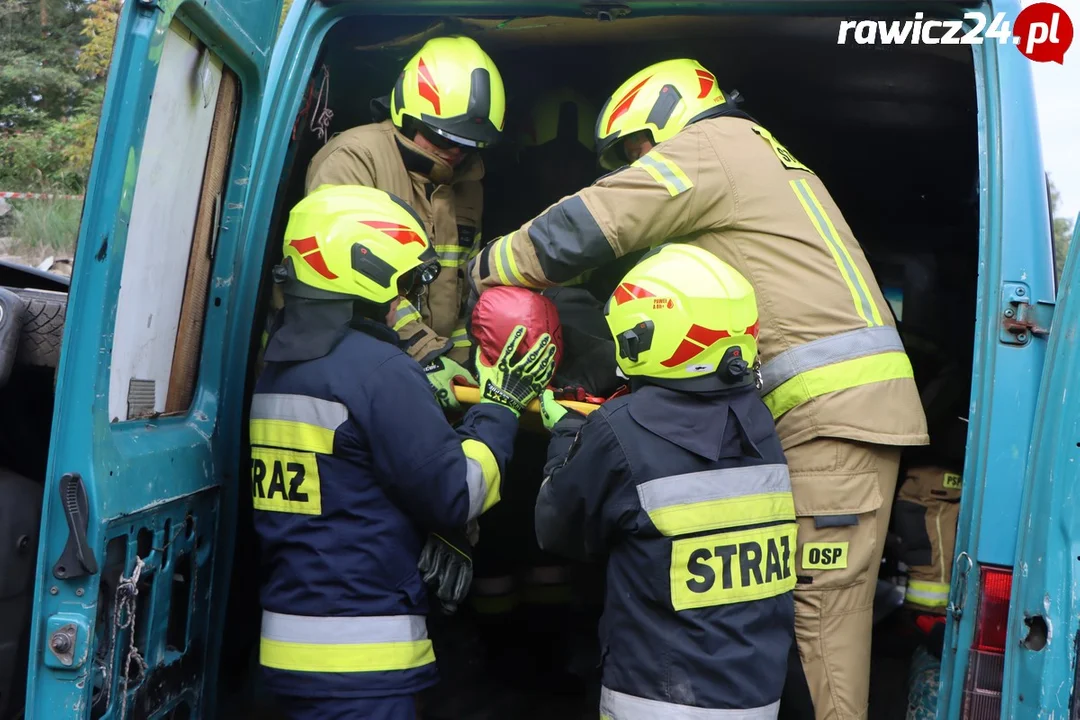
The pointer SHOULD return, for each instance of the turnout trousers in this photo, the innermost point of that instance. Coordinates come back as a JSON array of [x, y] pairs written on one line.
[[843, 493]]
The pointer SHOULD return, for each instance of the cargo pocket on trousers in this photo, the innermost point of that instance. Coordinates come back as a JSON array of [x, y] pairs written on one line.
[[837, 514]]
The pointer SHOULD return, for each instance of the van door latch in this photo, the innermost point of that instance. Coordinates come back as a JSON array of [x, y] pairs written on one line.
[[1021, 317]]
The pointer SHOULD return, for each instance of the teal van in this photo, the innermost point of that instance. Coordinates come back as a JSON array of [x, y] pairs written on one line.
[[128, 570]]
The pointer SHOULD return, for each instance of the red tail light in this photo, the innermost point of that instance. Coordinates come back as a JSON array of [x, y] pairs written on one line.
[[986, 662]]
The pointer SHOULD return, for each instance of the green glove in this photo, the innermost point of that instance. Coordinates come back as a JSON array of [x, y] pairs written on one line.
[[446, 566], [515, 384], [443, 373], [551, 411]]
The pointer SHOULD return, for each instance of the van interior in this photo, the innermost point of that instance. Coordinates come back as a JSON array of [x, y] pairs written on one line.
[[893, 132]]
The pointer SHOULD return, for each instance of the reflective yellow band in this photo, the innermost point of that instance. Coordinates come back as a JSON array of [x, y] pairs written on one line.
[[732, 567], [495, 604], [285, 481], [860, 294], [296, 422], [825, 351], [721, 514], [665, 172], [824, 555], [548, 595], [294, 435], [502, 257], [838, 376], [927, 594], [344, 644], [452, 255], [404, 315], [482, 476], [718, 499], [460, 337]]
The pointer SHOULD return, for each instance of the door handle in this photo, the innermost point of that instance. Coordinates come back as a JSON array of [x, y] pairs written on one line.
[[78, 558]]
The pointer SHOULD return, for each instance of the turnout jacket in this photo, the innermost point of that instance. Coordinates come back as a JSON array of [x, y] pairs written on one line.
[[450, 202], [833, 363], [353, 464], [688, 498]]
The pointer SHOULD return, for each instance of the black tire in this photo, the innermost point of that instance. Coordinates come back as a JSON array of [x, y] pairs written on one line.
[[42, 327]]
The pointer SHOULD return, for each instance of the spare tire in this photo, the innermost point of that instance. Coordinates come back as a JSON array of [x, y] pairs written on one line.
[[43, 317]]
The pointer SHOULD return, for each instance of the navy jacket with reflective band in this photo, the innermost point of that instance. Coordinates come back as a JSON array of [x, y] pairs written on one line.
[[395, 471], [664, 486]]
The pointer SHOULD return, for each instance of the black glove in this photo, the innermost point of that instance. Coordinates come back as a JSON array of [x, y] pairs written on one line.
[[446, 566]]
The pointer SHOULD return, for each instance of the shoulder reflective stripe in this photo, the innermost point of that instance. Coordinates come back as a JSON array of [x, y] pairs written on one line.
[[505, 264], [482, 477], [927, 594], [296, 422], [717, 499], [860, 293], [826, 351], [620, 706], [838, 376], [344, 644], [665, 172]]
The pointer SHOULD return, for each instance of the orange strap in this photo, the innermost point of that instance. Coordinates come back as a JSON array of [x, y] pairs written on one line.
[[471, 396]]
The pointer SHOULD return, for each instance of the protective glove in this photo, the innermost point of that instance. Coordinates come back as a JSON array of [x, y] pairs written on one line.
[[515, 384], [443, 373], [446, 566], [551, 412]]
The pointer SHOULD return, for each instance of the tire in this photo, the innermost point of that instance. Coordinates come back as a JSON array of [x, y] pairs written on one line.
[[43, 317]]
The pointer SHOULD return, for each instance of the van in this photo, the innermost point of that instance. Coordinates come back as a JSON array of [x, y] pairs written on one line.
[[129, 571]]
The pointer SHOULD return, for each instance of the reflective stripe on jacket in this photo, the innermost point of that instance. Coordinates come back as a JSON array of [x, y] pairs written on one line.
[[449, 201], [688, 499], [353, 464], [828, 340]]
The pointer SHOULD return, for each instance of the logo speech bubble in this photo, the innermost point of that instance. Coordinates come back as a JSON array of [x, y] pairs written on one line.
[[1043, 32]]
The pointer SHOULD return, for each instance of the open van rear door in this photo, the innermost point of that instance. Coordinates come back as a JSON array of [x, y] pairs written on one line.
[[1041, 668], [139, 493]]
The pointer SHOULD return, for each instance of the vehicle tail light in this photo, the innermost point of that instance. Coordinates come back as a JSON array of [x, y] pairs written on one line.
[[986, 662]]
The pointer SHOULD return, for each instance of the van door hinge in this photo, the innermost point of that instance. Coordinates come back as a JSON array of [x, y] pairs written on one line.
[[1021, 317]]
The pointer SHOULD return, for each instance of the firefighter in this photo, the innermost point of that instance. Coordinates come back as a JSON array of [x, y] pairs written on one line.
[[447, 103], [523, 598], [354, 463], [689, 166], [683, 488]]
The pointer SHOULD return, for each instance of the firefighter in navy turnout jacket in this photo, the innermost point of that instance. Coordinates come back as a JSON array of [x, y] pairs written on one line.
[[354, 463], [683, 487], [688, 166]]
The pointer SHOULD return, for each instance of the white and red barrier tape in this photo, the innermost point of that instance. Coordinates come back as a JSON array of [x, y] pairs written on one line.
[[38, 196]]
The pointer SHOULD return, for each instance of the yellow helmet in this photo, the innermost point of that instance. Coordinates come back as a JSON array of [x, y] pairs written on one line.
[[663, 99], [683, 317], [351, 241], [454, 89], [560, 113]]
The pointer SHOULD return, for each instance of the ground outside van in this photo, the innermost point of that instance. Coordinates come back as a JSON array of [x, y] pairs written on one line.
[[124, 455]]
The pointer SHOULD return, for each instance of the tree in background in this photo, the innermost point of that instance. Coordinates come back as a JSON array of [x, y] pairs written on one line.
[[1062, 228], [54, 55]]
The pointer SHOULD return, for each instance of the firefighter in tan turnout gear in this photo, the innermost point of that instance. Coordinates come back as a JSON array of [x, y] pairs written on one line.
[[447, 103], [836, 378]]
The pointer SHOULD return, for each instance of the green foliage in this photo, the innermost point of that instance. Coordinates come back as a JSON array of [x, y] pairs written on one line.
[[45, 227], [1062, 229], [54, 55]]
